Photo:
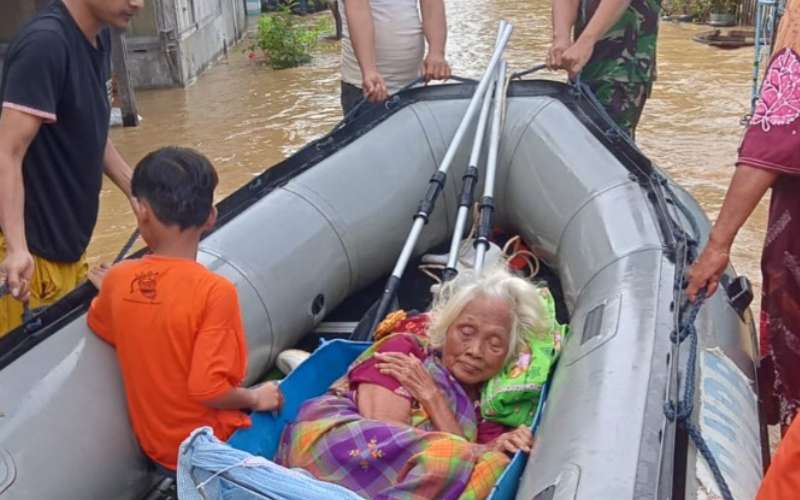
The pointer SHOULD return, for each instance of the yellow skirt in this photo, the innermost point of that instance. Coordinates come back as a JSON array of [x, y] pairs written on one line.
[[51, 281]]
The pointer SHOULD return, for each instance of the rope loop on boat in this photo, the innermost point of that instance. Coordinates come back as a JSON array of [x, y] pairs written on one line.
[[534, 69], [123, 252], [614, 133], [680, 411]]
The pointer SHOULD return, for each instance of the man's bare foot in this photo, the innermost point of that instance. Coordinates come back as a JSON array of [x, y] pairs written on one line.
[[96, 274]]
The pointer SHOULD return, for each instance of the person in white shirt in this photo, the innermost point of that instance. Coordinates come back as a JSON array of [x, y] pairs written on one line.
[[383, 46]]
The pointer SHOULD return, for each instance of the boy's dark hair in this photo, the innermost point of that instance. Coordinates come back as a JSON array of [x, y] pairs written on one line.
[[178, 183]]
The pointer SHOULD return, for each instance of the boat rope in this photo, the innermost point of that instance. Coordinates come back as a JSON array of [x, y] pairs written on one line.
[[28, 313], [127, 246], [388, 103], [680, 411], [614, 131], [519, 74]]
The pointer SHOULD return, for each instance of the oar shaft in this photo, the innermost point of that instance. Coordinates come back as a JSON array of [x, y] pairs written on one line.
[[408, 247], [472, 108], [127, 247], [470, 180], [439, 178], [487, 201], [496, 130]]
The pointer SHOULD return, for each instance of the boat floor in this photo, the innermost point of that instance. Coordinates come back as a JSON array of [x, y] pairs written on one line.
[[414, 295]]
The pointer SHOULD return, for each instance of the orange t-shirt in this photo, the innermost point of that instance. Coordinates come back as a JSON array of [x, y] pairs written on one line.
[[178, 333], [782, 481]]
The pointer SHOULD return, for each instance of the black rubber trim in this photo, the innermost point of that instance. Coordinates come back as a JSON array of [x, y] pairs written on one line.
[[19, 341]]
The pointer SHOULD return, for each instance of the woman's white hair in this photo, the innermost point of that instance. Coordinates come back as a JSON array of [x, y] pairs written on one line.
[[524, 298]]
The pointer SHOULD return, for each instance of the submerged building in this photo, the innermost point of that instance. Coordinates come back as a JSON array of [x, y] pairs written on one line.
[[169, 42]]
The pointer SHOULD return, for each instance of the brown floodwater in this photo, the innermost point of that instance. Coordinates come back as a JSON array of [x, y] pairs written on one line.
[[246, 117]]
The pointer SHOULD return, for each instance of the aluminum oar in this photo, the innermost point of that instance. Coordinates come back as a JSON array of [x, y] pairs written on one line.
[[435, 186], [470, 180], [487, 201]]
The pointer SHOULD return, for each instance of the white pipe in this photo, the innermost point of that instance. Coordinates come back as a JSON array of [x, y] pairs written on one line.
[[411, 240], [476, 98], [463, 212], [494, 148]]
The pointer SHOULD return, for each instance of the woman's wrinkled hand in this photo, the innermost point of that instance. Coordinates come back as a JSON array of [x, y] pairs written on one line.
[[435, 67], [707, 270], [409, 371], [520, 439]]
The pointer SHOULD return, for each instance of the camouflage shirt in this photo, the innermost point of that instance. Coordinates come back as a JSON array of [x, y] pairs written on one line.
[[627, 52]]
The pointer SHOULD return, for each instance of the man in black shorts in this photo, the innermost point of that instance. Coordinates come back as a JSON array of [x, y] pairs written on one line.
[[54, 148]]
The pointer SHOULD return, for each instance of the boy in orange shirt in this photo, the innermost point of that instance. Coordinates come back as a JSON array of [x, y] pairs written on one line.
[[782, 481], [176, 326]]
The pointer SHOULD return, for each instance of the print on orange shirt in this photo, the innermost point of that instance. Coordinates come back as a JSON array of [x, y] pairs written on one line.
[[146, 284]]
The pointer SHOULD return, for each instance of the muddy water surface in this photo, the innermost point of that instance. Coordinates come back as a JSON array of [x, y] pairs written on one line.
[[246, 117]]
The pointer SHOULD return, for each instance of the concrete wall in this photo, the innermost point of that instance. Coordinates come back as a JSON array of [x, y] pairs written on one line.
[[170, 42], [192, 35], [13, 14]]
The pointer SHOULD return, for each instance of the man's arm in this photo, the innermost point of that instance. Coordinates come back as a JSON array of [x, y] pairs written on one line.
[[564, 14], [434, 25], [117, 169], [748, 186], [362, 36], [264, 397], [17, 130], [607, 13]]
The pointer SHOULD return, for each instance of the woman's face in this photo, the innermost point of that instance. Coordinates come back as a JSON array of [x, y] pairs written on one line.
[[477, 342]]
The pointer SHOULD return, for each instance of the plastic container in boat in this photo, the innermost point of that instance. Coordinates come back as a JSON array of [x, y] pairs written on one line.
[[311, 379]]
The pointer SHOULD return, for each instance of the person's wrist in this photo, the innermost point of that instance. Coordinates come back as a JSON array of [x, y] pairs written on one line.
[[252, 398], [430, 398], [17, 249], [588, 39], [369, 69], [561, 39], [719, 243]]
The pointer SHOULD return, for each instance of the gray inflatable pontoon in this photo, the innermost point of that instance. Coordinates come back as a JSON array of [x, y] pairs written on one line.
[[321, 226]]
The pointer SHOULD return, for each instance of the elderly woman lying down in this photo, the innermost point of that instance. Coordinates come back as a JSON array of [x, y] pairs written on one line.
[[405, 421]]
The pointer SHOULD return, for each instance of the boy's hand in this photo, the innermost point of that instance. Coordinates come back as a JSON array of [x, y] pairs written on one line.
[[268, 396], [97, 274]]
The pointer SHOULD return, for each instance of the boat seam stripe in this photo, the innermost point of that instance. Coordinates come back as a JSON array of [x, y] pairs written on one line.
[[331, 224]]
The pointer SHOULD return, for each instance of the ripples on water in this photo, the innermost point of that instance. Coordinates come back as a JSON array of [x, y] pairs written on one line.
[[246, 117]]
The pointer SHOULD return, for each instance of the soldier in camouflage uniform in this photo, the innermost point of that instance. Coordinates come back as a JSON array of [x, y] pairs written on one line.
[[614, 51]]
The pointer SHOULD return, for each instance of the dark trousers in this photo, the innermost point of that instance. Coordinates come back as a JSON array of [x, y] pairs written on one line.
[[351, 96]]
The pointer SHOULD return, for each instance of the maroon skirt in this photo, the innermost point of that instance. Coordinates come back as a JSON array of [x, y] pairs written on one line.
[[772, 142]]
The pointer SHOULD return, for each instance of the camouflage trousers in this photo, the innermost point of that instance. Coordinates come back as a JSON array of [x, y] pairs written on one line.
[[623, 101]]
